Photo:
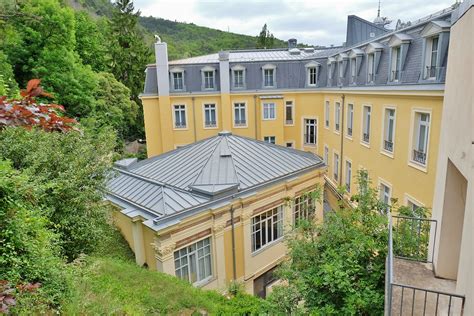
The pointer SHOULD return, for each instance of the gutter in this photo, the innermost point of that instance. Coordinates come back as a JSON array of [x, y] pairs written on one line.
[[234, 264]]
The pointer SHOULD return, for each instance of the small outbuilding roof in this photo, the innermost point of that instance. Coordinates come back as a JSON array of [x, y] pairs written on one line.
[[203, 175]]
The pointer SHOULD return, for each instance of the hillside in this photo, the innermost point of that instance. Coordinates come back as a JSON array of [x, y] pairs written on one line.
[[184, 39]]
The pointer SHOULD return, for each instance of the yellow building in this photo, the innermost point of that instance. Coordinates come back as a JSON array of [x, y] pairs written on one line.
[[216, 210], [374, 104]]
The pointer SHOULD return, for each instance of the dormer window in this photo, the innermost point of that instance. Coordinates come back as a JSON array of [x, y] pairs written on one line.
[[312, 74], [353, 70], [396, 64], [177, 79], [208, 78], [371, 68], [238, 77], [432, 58], [268, 72]]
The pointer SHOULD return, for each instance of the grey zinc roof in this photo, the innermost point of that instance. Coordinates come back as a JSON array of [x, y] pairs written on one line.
[[202, 173]]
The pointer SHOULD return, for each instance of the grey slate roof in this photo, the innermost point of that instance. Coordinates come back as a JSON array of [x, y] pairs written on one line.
[[202, 174], [359, 30]]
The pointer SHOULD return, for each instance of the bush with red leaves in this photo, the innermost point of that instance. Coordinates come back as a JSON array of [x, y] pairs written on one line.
[[27, 112]]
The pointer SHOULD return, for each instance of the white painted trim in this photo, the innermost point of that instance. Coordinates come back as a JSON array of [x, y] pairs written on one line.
[[334, 153], [387, 184], [263, 116], [246, 114], [349, 137], [185, 115], [384, 125], [311, 117], [362, 142], [292, 100], [337, 131], [204, 115], [411, 162], [327, 113], [408, 197], [290, 142], [347, 159]]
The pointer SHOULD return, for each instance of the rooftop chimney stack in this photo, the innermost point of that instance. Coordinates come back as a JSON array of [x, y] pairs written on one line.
[[292, 42]]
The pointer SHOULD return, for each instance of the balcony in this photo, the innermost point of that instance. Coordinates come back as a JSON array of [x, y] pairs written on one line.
[[371, 78], [179, 125], [211, 124], [395, 75], [411, 287], [366, 137], [388, 145], [419, 156], [430, 72]]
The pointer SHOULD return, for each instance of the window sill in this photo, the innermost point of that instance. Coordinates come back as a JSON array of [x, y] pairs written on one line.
[[387, 153], [269, 245], [240, 126], [349, 137], [418, 166], [268, 119], [310, 145], [327, 127], [180, 128], [365, 144], [211, 127], [337, 132], [204, 282]]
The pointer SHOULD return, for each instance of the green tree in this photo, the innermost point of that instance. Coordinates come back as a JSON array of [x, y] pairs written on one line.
[[337, 267], [69, 171], [265, 39]]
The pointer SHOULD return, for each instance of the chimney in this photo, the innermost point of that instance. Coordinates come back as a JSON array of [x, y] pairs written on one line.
[[292, 42], [224, 70], [162, 72]]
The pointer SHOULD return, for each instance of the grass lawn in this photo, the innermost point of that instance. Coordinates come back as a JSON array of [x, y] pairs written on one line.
[[109, 282]]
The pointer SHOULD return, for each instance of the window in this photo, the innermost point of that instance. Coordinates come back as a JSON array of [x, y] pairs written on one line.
[[289, 112], [178, 83], [330, 72], [396, 63], [209, 79], [385, 195], [269, 139], [210, 117], [353, 70], [422, 127], [336, 167], [310, 130], [312, 76], [290, 144], [389, 130], [350, 118], [239, 78], [348, 175], [371, 70], [326, 155], [268, 78], [366, 124], [304, 208], [267, 227], [433, 56], [180, 116], [193, 263], [240, 117], [326, 115], [415, 208], [269, 111], [341, 69], [337, 116]]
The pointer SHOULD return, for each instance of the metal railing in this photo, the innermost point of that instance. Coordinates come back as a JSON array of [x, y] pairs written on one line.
[[349, 131], [288, 122], [240, 123], [430, 72], [179, 125], [419, 156], [211, 124], [408, 239], [395, 75], [366, 137], [388, 145], [371, 78]]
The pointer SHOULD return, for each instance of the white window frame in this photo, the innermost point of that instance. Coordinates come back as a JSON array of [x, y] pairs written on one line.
[[185, 110], [273, 216], [308, 144], [290, 142], [267, 105], [348, 175], [336, 166], [234, 118], [429, 55], [371, 67], [350, 120], [337, 117], [382, 195], [268, 139], [204, 109], [327, 114], [186, 252], [205, 70], [412, 200], [290, 103], [326, 155], [385, 125], [363, 129], [238, 68], [269, 67], [312, 73], [414, 141], [303, 207], [176, 80], [396, 63], [173, 71], [353, 65]]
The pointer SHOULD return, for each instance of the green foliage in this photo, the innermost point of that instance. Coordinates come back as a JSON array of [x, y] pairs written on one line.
[[337, 267], [69, 171], [265, 39], [8, 85], [27, 247]]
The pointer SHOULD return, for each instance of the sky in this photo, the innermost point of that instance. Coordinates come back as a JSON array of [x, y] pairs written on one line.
[[312, 22]]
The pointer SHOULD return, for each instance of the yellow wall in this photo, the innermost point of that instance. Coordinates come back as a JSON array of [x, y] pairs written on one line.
[[124, 224], [406, 181]]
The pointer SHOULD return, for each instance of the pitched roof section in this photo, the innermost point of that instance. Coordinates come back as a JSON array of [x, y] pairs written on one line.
[[203, 172], [360, 30]]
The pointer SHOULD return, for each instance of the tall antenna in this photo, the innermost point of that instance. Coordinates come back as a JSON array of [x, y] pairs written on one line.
[[378, 11]]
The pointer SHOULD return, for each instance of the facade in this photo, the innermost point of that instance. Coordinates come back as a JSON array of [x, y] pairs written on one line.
[[376, 104], [216, 210]]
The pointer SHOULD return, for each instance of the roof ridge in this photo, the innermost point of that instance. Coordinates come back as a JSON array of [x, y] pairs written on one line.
[[208, 158], [232, 159]]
